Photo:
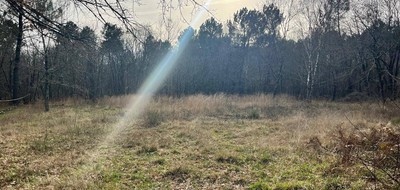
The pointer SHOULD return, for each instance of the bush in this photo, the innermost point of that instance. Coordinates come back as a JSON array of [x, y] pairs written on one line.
[[376, 149], [153, 119], [254, 114]]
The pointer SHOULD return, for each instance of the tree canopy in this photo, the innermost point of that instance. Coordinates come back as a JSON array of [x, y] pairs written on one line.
[[344, 50]]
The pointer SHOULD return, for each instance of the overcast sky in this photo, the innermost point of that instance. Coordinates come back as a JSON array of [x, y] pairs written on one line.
[[149, 13], [221, 9]]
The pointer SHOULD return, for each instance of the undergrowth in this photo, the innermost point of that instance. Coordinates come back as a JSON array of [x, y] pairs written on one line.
[[201, 142], [376, 150]]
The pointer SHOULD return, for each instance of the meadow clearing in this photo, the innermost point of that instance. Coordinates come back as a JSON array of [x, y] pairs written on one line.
[[200, 142]]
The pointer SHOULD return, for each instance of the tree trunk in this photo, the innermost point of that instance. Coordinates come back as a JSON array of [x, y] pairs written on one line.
[[33, 83], [17, 60], [334, 86], [393, 69], [396, 74], [91, 78], [381, 80], [278, 87], [46, 77]]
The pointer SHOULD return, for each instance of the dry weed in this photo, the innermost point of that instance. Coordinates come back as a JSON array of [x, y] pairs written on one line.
[[220, 142]]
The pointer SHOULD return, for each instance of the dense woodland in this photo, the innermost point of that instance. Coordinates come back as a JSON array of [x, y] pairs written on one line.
[[330, 49]]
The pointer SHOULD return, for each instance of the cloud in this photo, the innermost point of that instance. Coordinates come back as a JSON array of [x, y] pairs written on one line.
[[147, 13], [224, 2]]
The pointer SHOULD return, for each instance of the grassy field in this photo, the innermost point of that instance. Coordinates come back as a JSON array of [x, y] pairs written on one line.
[[193, 142]]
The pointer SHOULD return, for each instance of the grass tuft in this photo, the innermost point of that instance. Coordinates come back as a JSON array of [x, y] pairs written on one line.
[[254, 114], [153, 119], [147, 150], [290, 186], [179, 174], [266, 158], [260, 185], [230, 159], [160, 161]]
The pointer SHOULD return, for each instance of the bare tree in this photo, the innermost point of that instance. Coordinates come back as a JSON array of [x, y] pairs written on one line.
[[379, 21], [311, 35]]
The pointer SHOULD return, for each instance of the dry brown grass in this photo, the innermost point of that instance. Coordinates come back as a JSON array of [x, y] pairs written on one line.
[[200, 142]]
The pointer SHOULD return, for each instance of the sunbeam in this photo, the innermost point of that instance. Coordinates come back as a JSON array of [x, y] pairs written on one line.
[[152, 84]]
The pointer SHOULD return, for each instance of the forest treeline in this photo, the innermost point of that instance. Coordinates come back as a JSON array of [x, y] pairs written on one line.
[[344, 48]]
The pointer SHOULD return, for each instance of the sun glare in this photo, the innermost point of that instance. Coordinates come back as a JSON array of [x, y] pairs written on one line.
[[154, 81]]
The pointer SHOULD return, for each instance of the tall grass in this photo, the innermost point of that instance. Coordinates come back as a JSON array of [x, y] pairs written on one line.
[[220, 141]]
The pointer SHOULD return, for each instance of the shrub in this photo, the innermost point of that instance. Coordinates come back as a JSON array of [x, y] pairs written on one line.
[[376, 149], [153, 119], [254, 114]]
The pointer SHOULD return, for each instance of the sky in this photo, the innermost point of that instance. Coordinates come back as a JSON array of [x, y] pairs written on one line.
[[149, 13], [221, 9]]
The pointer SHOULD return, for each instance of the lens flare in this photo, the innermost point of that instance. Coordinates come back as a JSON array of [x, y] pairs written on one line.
[[154, 81], [138, 103]]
